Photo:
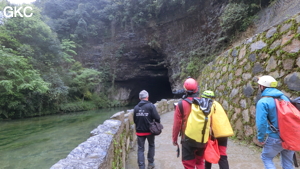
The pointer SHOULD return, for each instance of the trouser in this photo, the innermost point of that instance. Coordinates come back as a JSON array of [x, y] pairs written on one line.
[[223, 162], [151, 150], [271, 148], [192, 157]]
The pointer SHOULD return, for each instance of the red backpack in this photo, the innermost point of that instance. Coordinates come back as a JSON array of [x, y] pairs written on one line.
[[288, 124]]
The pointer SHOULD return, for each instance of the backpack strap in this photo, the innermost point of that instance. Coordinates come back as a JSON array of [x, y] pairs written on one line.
[[204, 104], [180, 106], [211, 132], [272, 127]]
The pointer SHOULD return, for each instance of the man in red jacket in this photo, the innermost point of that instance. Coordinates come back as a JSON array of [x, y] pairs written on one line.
[[192, 156], [144, 113]]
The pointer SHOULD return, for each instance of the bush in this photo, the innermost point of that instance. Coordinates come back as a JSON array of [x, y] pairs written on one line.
[[234, 16], [101, 100], [78, 106]]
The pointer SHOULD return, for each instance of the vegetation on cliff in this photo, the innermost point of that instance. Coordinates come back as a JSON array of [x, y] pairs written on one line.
[[39, 74], [52, 78]]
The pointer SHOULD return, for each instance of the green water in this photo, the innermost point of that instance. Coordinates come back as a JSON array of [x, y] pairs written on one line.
[[39, 143]]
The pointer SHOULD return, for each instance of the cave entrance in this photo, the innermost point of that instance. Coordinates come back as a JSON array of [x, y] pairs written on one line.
[[145, 69], [157, 87]]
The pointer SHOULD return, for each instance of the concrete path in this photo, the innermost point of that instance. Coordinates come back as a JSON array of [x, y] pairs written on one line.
[[239, 156]]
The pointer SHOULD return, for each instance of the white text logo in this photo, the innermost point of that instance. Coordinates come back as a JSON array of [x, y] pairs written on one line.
[[16, 11]]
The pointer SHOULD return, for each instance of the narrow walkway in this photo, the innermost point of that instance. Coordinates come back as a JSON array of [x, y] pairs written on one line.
[[239, 156]]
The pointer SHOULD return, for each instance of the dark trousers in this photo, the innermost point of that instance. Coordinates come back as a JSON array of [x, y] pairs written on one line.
[[151, 150], [192, 156], [223, 162]]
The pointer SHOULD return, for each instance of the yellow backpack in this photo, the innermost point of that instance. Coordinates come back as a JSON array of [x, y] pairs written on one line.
[[221, 126], [198, 122]]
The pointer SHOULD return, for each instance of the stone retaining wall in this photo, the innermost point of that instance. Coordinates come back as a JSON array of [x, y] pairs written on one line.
[[233, 74], [109, 143]]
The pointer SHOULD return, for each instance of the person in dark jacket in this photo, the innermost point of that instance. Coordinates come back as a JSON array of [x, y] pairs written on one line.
[[144, 113]]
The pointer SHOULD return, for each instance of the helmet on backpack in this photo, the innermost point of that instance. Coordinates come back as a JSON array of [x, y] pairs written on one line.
[[190, 85], [267, 81], [208, 94]]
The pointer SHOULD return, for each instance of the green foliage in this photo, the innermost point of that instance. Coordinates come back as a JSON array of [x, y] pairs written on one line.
[[8, 41], [17, 74], [84, 81], [101, 100], [81, 29], [97, 19], [192, 68], [77, 106], [3, 4], [40, 42], [37, 50], [19, 82], [239, 14], [87, 79], [75, 23], [58, 91], [197, 60], [67, 48], [233, 16]]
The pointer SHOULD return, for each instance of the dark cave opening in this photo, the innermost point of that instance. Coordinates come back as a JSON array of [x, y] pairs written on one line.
[[144, 68], [157, 87]]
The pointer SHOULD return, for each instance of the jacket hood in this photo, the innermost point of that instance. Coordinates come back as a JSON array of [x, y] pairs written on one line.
[[143, 102], [273, 92]]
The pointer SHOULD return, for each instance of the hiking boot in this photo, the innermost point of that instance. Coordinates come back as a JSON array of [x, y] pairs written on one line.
[[151, 165]]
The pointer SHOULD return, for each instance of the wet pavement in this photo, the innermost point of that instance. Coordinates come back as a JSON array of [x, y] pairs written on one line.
[[240, 156]]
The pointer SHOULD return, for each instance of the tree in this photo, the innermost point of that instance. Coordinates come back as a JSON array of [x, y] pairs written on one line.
[[18, 82], [81, 29], [67, 48], [32, 31], [58, 91], [84, 81]]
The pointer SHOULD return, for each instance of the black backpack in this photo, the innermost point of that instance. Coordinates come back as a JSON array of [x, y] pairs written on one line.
[[296, 103]]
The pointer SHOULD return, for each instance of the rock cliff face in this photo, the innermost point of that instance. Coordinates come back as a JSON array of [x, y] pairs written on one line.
[[233, 75], [149, 57]]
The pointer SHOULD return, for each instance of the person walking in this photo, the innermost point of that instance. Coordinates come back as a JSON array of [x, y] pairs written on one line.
[[144, 113], [222, 141], [191, 156], [266, 111]]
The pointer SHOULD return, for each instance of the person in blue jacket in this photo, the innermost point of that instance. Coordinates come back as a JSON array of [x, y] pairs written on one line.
[[267, 135]]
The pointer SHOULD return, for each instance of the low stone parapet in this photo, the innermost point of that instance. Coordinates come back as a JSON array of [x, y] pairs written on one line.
[[109, 143]]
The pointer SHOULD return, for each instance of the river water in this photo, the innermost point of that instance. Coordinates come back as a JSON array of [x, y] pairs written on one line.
[[38, 143]]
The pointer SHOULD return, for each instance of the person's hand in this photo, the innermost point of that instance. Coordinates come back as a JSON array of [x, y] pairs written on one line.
[[175, 143], [261, 143], [258, 142]]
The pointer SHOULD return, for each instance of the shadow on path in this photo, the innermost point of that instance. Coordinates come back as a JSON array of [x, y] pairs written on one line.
[[239, 156]]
